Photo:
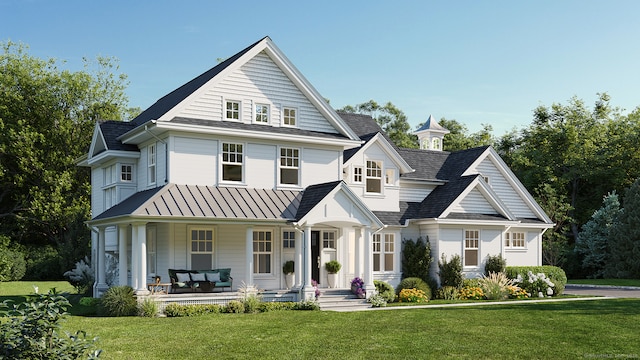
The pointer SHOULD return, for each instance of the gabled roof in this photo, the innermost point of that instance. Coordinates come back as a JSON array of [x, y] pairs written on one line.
[[173, 98], [313, 195], [365, 127], [443, 196], [111, 130]]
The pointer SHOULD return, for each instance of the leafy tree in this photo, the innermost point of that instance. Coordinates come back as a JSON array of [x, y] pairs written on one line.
[[47, 117], [554, 241], [459, 138], [624, 239], [391, 119], [593, 241]]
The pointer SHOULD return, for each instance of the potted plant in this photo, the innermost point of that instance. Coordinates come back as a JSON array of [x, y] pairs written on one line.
[[357, 287], [287, 270], [332, 267]]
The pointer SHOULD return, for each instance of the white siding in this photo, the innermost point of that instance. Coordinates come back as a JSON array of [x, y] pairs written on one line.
[[414, 193], [261, 166], [259, 80], [194, 161], [320, 166], [474, 203], [504, 190], [97, 200]]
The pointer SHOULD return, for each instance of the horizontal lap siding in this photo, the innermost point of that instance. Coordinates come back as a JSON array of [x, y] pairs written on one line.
[[194, 161], [258, 81], [414, 194], [504, 190], [474, 203]]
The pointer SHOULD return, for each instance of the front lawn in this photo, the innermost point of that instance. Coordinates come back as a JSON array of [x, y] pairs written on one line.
[[574, 329], [612, 282]]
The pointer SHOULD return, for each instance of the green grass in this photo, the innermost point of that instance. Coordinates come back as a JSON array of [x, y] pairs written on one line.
[[614, 282], [571, 329], [19, 288]]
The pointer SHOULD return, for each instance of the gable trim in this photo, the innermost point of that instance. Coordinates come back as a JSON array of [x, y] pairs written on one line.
[[488, 194], [388, 149]]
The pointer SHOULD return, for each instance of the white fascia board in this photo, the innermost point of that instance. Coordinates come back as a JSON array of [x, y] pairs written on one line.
[[422, 182], [513, 180], [255, 134], [97, 136], [112, 154], [388, 150]]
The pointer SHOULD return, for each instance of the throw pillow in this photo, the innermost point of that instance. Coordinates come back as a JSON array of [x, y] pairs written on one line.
[[197, 277], [213, 277], [183, 277]]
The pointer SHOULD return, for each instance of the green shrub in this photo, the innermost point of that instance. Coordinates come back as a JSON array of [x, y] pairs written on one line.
[[277, 306], [33, 331], [416, 258], [494, 264], [89, 301], [333, 266], [450, 271], [414, 283], [81, 276], [377, 301], [385, 290], [252, 303], [307, 305], [448, 293], [43, 263], [177, 310], [412, 296], [469, 293], [234, 307], [12, 263], [471, 282], [119, 301], [148, 308], [554, 273]]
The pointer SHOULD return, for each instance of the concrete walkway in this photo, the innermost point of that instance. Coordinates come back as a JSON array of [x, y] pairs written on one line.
[[603, 290]]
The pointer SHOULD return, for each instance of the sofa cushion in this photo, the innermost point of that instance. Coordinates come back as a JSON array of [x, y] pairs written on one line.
[[183, 277], [197, 277], [225, 274], [213, 277]]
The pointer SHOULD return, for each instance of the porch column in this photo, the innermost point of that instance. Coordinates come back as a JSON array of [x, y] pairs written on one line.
[[249, 256], [357, 266], [122, 254], [308, 292], [140, 231], [297, 271], [101, 284], [368, 263]]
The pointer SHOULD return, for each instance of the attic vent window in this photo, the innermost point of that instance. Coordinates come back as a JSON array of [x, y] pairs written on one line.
[[289, 117], [233, 110], [262, 113]]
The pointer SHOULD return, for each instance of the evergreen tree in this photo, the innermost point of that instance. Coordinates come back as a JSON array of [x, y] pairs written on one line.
[[593, 241], [624, 239]]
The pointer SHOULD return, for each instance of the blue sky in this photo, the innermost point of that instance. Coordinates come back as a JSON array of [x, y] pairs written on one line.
[[478, 62]]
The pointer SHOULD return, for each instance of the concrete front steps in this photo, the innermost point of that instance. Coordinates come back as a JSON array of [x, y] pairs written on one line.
[[341, 300]]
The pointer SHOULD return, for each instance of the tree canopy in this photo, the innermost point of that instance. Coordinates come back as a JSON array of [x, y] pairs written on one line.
[[47, 116]]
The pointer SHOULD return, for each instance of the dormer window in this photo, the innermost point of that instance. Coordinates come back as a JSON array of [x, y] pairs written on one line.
[[262, 113], [232, 110], [126, 173], [374, 176]]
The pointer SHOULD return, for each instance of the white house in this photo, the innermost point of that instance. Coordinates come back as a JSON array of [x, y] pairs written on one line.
[[247, 166]]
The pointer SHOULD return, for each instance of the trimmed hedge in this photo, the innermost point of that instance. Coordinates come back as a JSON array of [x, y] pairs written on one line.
[[414, 283], [554, 273], [235, 307]]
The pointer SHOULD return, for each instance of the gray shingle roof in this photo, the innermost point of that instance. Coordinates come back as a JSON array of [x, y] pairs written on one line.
[[408, 210], [442, 196], [313, 195], [232, 125], [365, 127], [172, 99], [111, 130]]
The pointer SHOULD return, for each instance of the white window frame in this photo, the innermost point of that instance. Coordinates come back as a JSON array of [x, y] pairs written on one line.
[[436, 143], [358, 175], [232, 111], [330, 241], [262, 113], [123, 173], [374, 174], [232, 154], [510, 240], [384, 245], [390, 176], [109, 191], [286, 116], [288, 242], [152, 244], [471, 243], [291, 162], [200, 241], [267, 249], [152, 158]]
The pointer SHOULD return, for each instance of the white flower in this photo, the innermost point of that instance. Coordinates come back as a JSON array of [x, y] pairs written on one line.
[[540, 294], [549, 291], [35, 289]]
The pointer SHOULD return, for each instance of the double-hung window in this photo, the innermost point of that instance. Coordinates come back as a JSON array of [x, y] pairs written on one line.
[[471, 240], [514, 240], [151, 163], [289, 117], [262, 252], [289, 166], [232, 160], [374, 176], [262, 113], [383, 252], [232, 110], [109, 190], [201, 248]]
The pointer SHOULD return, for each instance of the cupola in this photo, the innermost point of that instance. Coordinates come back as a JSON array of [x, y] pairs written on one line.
[[431, 135]]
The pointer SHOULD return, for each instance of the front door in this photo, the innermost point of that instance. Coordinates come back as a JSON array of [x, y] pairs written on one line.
[[315, 256]]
